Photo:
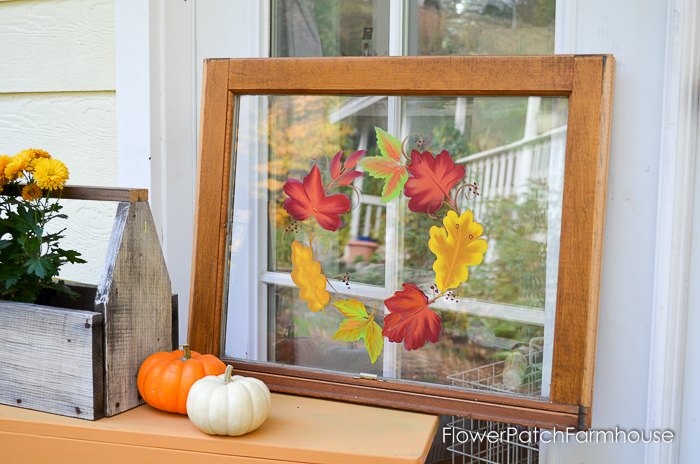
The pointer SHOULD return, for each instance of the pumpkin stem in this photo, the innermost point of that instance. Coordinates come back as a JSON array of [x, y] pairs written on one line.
[[228, 374], [188, 352]]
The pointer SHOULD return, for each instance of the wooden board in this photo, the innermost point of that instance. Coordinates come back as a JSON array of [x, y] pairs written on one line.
[[136, 299], [409, 75], [210, 215], [580, 258], [51, 359], [299, 429]]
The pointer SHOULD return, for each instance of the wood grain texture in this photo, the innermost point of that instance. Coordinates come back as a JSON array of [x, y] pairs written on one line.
[[307, 430], [79, 192], [206, 297], [52, 359], [135, 297], [454, 75], [33, 448], [53, 45], [585, 187]]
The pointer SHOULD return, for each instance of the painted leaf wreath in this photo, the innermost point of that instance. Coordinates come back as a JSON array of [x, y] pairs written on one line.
[[429, 182], [359, 325]]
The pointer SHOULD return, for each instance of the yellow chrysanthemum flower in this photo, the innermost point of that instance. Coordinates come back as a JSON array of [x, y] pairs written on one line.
[[50, 173], [4, 159], [35, 153], [17, 164], [31, 192]]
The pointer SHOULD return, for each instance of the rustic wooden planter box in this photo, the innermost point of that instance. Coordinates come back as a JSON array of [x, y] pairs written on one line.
[[82, 360]]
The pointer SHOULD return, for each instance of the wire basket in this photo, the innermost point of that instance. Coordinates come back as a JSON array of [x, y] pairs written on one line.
[[471, 443], [520, 373]]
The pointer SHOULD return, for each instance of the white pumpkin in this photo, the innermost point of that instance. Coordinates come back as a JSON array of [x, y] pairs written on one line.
[[228, 405]]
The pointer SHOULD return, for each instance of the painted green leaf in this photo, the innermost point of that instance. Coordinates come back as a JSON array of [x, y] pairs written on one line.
[[359, 326], [374, 340], [351, 308], [389, 166], [350, 330]]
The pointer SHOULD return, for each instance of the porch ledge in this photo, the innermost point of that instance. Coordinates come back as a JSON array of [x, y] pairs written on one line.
[[299, 429]]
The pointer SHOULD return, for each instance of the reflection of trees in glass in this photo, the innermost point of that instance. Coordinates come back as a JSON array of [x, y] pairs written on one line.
[[499, 27], [299, 338], [515, 270], [300, 134], [515, 264], [337, 25]]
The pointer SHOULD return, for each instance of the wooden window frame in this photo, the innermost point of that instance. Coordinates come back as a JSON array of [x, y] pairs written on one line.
[[587, 81]]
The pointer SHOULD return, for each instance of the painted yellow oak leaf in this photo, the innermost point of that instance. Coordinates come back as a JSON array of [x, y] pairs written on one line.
[[308, 277], [456, 246], [359, 325]]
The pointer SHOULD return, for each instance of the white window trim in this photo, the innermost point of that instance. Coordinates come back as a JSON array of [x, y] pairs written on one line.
[[680, 136]]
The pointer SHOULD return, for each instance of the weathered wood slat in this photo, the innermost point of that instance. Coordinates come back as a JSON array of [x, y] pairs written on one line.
[[51, 359], [79, 192], [135, 297]]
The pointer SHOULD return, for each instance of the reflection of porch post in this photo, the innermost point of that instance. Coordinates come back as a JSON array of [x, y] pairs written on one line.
[[523, 163], [555, 185], [355, 215]]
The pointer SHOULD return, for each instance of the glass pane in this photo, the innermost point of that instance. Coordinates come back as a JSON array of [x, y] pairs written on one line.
[[330, 28], [303, 131], [298, 337], [497, 321], [479, 27]]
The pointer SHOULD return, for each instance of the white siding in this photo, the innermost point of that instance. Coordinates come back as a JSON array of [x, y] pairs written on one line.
[[57, 93], [50, 46]]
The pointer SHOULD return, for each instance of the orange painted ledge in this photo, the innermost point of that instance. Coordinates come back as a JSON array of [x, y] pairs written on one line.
[[299, 429]]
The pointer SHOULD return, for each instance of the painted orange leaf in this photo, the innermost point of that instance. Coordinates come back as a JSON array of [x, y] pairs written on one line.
[[389, 166], [343, 173], [411, 320], [308, 199], [308, 277], [359, 325], [432, 178], [456, 246]]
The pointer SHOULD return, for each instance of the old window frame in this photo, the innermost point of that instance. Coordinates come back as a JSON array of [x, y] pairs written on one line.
[[587, 81]]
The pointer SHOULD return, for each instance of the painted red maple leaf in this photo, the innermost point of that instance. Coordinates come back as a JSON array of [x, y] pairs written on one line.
[[308, 198], [411, 320], [432, 178], [343, 173]]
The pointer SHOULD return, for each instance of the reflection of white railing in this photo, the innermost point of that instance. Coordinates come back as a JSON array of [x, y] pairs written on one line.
[[499, 172], [507, 170]]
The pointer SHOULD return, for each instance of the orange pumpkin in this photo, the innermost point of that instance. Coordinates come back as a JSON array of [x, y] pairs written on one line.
[[165, 378]]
